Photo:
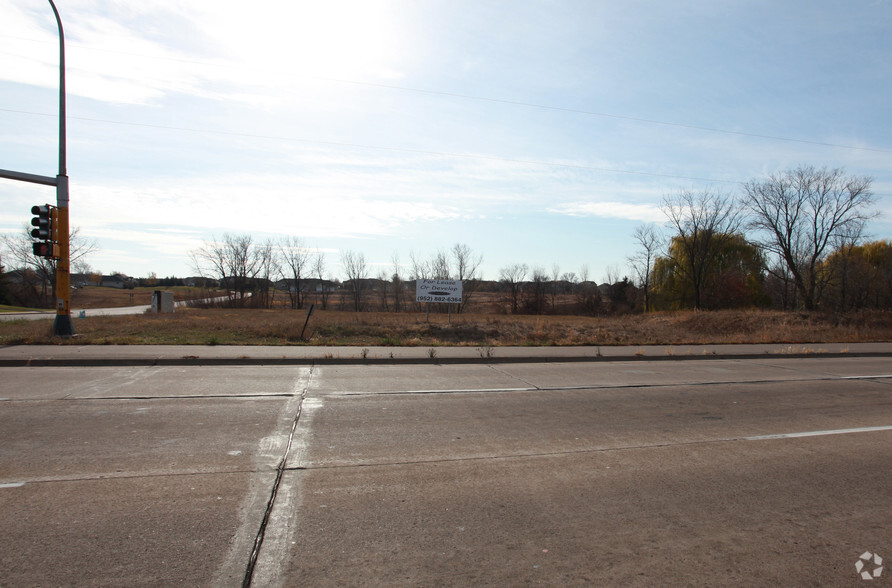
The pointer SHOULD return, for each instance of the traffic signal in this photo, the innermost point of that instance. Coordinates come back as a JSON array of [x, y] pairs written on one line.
[[43, 220], [46, 231], [43, 249]]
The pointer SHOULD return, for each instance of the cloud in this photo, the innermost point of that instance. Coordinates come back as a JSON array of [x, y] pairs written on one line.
[[141, 53], [252, 204], [621, 210]]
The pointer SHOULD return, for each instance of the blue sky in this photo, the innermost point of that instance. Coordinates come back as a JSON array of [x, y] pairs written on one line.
[[534, 131]]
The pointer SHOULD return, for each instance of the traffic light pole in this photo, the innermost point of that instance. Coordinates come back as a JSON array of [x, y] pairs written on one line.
[[62, 326]]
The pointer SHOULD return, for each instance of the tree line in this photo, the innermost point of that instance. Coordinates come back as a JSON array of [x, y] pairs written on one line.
[[793, 240], [253, 273]]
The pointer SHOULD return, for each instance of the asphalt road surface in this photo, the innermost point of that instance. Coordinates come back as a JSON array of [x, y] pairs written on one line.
[[756, 472]]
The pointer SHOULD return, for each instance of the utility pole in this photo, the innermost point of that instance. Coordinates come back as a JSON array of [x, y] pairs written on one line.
[[62, 326]]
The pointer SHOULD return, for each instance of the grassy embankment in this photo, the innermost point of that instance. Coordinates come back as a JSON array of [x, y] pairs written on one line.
[[283, 327]]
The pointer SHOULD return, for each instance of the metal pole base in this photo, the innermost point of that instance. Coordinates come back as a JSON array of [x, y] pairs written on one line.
[[62, 326]]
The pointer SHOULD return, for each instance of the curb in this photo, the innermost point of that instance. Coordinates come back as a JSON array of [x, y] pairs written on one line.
[[196, 361]]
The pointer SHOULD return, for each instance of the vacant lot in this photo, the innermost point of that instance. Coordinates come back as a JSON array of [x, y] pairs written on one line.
[[284, 327]]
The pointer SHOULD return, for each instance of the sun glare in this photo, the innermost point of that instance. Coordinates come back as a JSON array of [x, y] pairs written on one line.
[[345, 39]]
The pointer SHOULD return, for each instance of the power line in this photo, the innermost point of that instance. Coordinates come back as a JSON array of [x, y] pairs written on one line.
[[381, 148], [499, 101], [605, 115]]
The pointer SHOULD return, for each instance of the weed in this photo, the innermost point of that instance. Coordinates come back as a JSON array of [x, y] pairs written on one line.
[[432, 353], [486, 352], [365, 353]]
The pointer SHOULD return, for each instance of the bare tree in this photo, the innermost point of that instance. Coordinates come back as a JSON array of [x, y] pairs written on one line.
[[383, 286], [555, 284], [439, 266], [295, 264], [841, 271], [420, 269], [703, 222], [800, 211], [465, 267], [235, 262], [588, 295], [5, 297], [20, 250], [318, 271], [356, 270], [270, 267], [611, 274], [535, 291], [650, 241], [512, 278], [397, 280]]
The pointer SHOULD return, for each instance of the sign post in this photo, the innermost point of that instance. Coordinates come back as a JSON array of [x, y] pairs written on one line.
[[306, 322]]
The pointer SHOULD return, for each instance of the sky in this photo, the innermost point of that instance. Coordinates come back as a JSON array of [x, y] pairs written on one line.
[[540, 132]]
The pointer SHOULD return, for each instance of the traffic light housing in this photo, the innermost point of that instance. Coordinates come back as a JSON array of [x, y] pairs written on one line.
[[47, 250], [43, 221], [46, 231]]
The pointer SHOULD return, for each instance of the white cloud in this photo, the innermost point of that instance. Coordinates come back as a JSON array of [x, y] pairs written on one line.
[[251, 204], [139, 53], [621, 210]]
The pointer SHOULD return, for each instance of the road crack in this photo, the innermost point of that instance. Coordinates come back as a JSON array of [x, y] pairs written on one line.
[[280, 470], [514, 377]]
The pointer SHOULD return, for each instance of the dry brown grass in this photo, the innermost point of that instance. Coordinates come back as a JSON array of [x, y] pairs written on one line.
[[98, 297], [283, 327]]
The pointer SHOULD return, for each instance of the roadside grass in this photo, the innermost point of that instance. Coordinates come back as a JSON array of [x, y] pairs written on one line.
[[329, 328], [100, 297], [7, 308]]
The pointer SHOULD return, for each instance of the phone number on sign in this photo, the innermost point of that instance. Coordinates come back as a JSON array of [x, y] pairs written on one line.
[[438, 299]]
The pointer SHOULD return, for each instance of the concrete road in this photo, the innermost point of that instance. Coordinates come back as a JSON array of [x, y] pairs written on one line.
[[37, 315], [759, 471]]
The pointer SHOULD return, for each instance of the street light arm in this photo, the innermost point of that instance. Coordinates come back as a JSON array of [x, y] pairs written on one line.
[[33, 178], [63, 164]]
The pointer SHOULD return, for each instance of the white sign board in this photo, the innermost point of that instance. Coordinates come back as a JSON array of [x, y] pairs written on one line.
[[438, 291]]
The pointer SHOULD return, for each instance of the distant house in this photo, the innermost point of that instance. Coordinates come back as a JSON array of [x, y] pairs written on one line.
[[365, 284], [79, 280], [307, 285], [117, 281], [200, 282]]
